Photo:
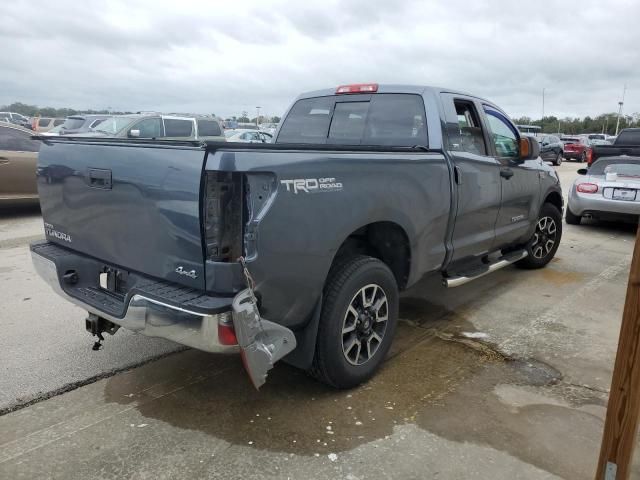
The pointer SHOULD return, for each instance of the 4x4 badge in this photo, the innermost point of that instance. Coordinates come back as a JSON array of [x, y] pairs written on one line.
[[188, 273]]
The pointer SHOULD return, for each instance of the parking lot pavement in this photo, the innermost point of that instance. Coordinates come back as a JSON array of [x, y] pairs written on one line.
[[44, 347], [503, 378]]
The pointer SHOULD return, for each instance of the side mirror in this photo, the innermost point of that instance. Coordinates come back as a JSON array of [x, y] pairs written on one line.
[[134, 132], [583, 171], [529, 149]]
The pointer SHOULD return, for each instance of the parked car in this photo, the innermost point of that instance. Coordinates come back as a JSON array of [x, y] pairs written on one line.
[[81, 123], [608, 190], [159, 126], [551, 149], [626, 143], [269, 128], [44, 124], [366, 189], [16, 119], [18, 158], [576, 148], [248, 136]]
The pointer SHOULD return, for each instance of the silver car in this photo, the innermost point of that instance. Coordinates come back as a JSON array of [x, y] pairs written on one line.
[[609, 190]]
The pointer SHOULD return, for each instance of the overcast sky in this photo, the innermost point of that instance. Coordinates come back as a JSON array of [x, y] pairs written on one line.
[[224, 57]]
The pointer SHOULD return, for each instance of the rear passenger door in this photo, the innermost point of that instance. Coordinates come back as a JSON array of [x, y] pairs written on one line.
[[477, 177], [520, 181]]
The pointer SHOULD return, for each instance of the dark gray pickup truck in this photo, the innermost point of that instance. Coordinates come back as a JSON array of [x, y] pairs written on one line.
[[296, 249]]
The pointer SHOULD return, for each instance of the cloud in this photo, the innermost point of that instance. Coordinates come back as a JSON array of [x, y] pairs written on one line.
[[226, 57]]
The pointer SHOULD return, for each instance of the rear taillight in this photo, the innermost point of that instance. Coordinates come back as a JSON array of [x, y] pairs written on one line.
[[226, 332], [587, 188], [358, 88], [223, 216]]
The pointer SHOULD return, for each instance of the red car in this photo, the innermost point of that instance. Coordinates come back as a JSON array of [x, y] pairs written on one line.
[[576, 148]]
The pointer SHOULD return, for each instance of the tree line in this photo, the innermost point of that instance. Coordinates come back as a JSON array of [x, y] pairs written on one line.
[[603, 123]]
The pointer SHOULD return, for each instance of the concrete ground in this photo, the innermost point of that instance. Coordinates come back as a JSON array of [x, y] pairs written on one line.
[[503, 378]]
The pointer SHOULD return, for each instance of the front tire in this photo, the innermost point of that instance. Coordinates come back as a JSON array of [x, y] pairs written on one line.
[[546, 239], [357, 322]]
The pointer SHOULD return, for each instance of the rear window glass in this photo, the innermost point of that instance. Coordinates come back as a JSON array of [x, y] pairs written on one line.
[[348, 122], [571, 140], [44, 122], [385, 119], [622, 167], [209, 128], [308, 121], [628, 137], [396, 119], [177, 128], [58, 121], [73, 123]]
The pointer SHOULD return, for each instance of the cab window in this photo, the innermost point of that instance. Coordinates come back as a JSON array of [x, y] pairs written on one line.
[[503, 135], [470, 137]]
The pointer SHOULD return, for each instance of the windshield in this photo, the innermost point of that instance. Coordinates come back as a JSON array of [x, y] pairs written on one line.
[[114, 125], [72, 123]]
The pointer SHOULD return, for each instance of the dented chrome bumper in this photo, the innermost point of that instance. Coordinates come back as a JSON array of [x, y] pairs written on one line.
[[260, 342], [151, 317]]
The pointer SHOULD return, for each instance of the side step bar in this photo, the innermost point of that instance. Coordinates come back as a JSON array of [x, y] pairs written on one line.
[[466, 277]]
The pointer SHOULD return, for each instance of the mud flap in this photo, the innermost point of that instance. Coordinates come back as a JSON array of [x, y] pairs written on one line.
[[262, 343]]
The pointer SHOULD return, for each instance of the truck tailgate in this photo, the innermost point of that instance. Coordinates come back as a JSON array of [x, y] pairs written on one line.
[[133, 206]]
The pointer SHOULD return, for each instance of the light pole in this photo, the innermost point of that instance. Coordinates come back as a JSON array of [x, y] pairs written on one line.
[[621, 103], [258, 116]]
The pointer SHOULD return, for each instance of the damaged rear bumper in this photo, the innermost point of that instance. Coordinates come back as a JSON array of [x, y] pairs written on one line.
[[199, 321]]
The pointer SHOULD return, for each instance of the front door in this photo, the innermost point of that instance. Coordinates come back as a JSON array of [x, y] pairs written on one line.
[[520, 181], [477, 175]]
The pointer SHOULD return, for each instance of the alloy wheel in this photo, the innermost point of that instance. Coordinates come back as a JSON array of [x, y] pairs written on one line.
[[364, 324], [545, 237]]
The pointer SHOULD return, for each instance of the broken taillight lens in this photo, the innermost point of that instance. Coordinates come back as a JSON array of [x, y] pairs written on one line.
[[226, 332], [223, 216]]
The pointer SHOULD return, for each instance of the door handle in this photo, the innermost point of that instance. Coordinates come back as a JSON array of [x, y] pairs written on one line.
[[506, 173]]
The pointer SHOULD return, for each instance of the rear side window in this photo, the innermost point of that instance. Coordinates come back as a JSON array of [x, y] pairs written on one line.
[[58, 121], [13, 140], [385, 119], [44, 122], [178, 128], [628, 137], [209, 128]]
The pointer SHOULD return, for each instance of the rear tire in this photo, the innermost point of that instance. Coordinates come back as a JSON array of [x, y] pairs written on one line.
[[571, 218], [546, 239], [558, 161], [353, 336], [583, 157]]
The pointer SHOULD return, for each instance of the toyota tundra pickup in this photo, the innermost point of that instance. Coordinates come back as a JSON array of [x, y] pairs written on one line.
[[295, 250]]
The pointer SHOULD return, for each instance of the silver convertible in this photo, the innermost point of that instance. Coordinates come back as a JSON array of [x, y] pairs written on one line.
[[609, 190]]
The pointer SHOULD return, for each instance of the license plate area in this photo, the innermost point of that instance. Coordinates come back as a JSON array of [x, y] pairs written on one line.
[[628, 194], [113, 280]]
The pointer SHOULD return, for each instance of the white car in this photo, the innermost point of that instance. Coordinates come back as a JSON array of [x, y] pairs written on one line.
[[247, 136], [609, 190]]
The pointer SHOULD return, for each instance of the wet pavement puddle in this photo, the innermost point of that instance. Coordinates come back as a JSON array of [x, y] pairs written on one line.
[[456, 387]]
